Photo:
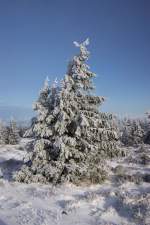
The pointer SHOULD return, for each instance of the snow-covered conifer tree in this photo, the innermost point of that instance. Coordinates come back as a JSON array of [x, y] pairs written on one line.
[[73, 137], [9, 134], [138, 132], [2, 141], [133, 133], [147, 136], [13, 133]]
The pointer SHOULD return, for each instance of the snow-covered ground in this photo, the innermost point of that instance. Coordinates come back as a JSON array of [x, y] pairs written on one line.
[[124, 199]]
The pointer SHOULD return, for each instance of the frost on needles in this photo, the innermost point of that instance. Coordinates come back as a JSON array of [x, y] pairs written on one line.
[[72, 137]]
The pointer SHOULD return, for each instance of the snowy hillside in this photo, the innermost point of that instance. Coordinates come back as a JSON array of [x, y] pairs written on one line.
[[122, 200]]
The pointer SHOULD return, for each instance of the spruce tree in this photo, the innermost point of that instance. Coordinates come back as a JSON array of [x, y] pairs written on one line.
[[1, 133], [147, 136], [9, 134], [13, 133], [72, 136], [133, 133], [6, 132]]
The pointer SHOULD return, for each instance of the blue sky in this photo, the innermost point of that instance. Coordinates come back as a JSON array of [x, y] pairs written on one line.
[[36, 40]]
